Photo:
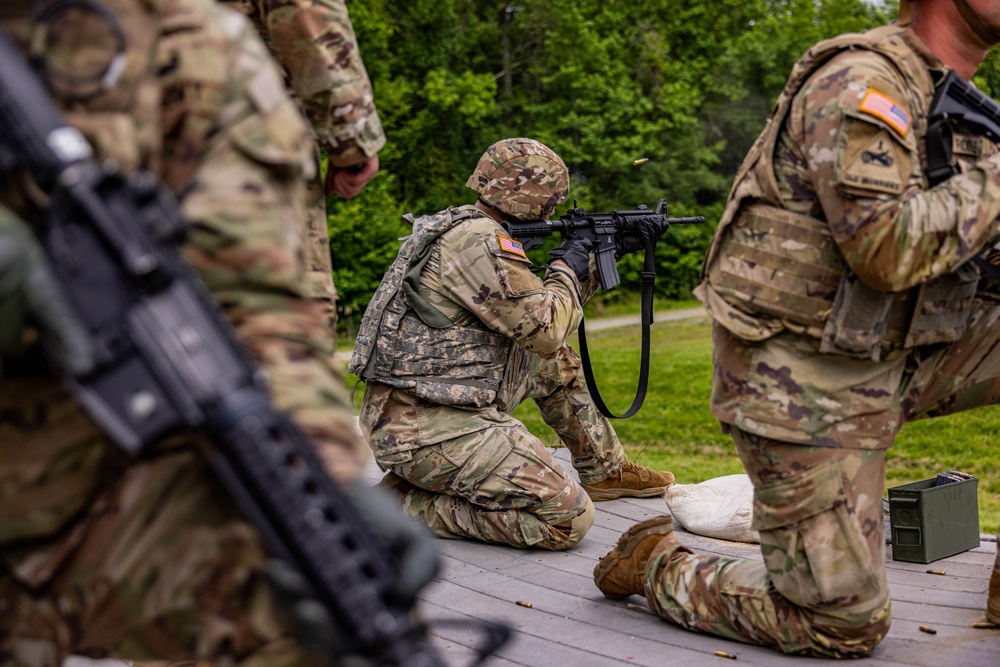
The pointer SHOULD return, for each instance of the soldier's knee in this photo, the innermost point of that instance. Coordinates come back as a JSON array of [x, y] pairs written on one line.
[[569, 533], [854, 635]]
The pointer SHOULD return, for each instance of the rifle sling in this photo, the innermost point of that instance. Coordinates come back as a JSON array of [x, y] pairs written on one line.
[[648, 278]]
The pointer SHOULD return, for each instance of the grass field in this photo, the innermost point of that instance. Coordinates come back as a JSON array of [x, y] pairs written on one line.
[[675, 431]]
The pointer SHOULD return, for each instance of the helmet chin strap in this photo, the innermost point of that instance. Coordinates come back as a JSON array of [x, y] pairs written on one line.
[[988, 33]]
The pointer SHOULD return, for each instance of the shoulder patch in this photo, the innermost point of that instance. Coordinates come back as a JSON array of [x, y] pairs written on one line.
[[508, 244], [884, 108], [875, 163]]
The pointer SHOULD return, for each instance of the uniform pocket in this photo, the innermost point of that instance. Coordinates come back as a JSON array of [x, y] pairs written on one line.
[[812, 541], [475, 458]]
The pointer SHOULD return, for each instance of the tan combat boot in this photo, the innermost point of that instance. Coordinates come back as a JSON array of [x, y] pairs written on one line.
[[621, 572], [993, 603], [631, 481]]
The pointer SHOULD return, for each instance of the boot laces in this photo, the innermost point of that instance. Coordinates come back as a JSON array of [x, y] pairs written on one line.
[[637, 470]]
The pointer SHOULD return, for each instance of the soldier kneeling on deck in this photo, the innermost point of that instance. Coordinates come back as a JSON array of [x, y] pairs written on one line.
[[459, 333]]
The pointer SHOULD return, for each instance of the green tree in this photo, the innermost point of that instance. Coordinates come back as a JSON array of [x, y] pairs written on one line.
[[683, 85]]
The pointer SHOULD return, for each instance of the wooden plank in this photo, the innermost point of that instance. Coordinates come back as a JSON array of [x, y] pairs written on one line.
[[571, 623], [547, 636]]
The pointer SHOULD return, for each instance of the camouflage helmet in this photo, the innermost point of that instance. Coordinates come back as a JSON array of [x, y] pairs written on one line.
[[522, 178]]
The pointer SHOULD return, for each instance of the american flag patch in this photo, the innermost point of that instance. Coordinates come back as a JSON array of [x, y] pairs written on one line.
[[881, 106], [510, 245]]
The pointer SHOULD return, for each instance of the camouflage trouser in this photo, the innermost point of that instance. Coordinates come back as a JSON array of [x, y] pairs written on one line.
[[499, 484], [559, 389], [160, 566], [821, 589], [483, 475]]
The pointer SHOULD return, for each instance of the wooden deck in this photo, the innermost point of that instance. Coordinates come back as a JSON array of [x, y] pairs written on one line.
[[570, 624]]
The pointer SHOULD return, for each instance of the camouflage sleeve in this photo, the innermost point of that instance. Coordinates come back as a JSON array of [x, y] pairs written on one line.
[[857, 131], [315, 43], [471, 274], [246, 201]]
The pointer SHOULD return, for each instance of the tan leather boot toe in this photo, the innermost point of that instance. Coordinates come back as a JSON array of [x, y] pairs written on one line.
[[622, 571], [632, 481]]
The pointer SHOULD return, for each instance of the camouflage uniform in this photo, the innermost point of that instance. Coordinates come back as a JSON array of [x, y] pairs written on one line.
[[477, 471], [150, 558], [314, 42], [843, 306]]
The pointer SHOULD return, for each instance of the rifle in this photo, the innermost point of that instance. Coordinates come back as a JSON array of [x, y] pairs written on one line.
[[958, 102], [167, 359], [601, 229]]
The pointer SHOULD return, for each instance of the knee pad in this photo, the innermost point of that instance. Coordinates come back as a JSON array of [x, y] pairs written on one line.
[[567, 534]]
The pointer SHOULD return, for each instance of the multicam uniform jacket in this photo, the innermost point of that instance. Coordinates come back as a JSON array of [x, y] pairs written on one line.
[[834, 250], [152, 551], [314, 41], [458, 310]]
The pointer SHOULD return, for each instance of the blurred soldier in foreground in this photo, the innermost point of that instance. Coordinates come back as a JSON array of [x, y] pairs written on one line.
[[459, 333], [142, 559], [845, 304], [314, 42]]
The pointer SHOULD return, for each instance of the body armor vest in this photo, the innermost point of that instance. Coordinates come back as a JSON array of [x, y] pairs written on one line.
[[798, 279], [405, 342]]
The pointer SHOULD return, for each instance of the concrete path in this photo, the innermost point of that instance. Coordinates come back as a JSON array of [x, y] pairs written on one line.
[[629, 320]]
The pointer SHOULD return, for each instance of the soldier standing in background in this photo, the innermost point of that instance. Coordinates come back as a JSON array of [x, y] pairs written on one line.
[[315, 44], [845, 304], [149, 558], [459, 333]]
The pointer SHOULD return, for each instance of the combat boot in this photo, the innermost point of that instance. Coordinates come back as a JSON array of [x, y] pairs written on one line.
[[631, 481], [993, 603], [622, 572]]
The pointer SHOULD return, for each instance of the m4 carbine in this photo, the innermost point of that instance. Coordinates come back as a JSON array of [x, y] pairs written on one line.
[[958, 103], [601, 229], [167, 359]]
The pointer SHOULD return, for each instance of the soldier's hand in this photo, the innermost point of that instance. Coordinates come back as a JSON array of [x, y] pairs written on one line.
[[28, 292], [636, 236], [413, 544], [349, 181], [576, 254]]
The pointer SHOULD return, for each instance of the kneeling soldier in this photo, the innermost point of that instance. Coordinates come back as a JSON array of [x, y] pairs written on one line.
[[459, 333]]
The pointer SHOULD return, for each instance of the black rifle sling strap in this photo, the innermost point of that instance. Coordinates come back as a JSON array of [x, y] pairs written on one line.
[[648, 278]]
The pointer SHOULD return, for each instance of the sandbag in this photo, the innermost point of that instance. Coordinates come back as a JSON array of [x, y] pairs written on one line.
[[721, 507]]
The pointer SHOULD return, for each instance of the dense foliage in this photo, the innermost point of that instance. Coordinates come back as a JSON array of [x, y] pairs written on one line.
[[684, 83]]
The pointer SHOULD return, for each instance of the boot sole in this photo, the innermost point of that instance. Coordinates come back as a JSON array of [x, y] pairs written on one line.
[[600, 495], [607, 562]]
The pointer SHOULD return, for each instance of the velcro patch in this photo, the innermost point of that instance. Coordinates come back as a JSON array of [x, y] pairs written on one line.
[[511, 246], [884, 108], [876, 166], [972, 146]]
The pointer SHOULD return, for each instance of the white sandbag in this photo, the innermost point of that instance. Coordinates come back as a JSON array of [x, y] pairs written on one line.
[[721, 507]]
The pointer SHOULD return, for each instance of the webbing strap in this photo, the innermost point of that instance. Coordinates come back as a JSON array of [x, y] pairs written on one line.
[[648, 278]]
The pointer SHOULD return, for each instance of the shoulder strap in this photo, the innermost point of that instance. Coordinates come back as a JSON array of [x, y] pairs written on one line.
[[424, 309]]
